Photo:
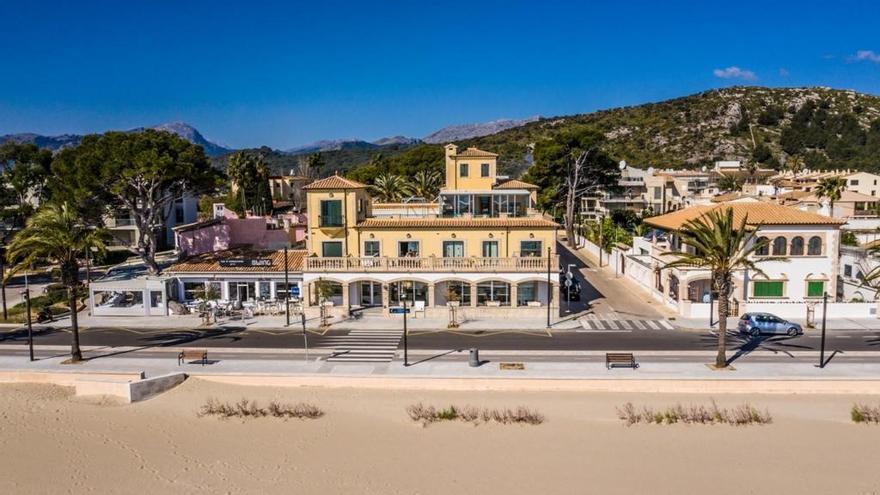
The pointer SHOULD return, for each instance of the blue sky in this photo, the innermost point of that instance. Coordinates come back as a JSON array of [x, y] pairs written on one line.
[[282, 73]]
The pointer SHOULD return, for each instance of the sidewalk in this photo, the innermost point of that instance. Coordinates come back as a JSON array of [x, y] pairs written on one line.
[[590, 366]]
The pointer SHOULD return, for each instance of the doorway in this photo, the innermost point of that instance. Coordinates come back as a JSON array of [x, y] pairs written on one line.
[[371, 294]]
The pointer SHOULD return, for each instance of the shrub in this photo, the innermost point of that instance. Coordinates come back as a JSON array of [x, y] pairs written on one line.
[[744, 414], [245, 408], [470, 414], [862, 413]]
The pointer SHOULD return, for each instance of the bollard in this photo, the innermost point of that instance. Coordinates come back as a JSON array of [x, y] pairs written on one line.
[[474, 358]]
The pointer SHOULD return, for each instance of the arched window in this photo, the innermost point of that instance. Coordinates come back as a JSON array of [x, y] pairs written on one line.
[[779, 245], [797, 246], [814, 247], [764, 248]]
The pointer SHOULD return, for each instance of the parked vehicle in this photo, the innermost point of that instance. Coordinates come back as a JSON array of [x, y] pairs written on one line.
[[765, 323]]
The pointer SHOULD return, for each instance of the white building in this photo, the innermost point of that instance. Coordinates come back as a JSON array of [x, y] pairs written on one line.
[[800, 264]]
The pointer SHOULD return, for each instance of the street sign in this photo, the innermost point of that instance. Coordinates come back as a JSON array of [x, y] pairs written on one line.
[[294, 291], [245, 262], [568, 282], [398, 310]]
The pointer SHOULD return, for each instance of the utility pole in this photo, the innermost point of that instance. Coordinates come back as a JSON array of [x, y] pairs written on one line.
[[287, 292], [549, 284], [405, 343], [824, 312]]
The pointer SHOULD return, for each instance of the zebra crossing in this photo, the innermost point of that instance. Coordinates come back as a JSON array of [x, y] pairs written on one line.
[[363, 346], [613, 323]]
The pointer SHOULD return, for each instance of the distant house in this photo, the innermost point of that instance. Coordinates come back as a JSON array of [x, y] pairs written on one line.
[[227, 231]]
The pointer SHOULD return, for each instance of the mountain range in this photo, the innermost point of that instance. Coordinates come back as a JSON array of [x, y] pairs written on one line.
[[56, 143], [823, 126]]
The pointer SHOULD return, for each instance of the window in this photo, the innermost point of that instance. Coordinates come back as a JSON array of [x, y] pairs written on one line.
[[463, 170], [814, 247], [457, 290], [178, 214], [854, 182], [526, 292], [408, 248], [763, 247], [815, 288], [490, 249], [767, 289], [847, 270], [193, 290], [493, 291], [797, 246], [331, 213], [156, 300], [530, 248], [779, 245], [371, 248], [484, 170], [657, 193], [331, 249], [280, 292], [453, 249]]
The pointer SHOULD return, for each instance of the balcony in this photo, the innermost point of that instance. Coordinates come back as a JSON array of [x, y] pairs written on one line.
[[431, 264]]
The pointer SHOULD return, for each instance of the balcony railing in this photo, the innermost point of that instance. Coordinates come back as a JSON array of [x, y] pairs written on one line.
[[430, 264]]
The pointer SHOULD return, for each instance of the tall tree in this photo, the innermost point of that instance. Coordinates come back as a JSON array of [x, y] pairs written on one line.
[[57, 234], [250, 181], [389, 188], [831, 188], [569, 166], [723, 247], [316, 163], [24, 169], [141, 173]]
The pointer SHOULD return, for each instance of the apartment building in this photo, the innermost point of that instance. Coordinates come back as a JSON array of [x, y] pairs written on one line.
[[123, 229], [484, 249]]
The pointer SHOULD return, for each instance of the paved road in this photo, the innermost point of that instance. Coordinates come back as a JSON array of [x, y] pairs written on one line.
[[634, 340]]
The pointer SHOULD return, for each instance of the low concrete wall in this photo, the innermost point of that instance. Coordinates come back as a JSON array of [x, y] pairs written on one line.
[[150, 387], [130, 387]]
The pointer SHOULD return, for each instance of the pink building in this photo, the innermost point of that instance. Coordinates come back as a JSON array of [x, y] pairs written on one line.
[[227, 231]]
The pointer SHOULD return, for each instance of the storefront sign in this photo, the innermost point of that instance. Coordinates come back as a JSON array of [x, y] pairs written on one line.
[[245, 262]]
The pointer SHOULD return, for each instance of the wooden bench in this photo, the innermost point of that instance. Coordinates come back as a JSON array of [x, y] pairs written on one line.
[[623, 359], [193, 354]]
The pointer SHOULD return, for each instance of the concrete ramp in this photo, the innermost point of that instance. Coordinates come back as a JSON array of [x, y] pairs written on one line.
[[129, 391]]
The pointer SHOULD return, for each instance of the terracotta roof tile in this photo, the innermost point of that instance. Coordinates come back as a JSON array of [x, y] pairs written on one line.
[[464, 223], [515, 184], [475, 153], [335, 182], [210, 262], [757, 212]]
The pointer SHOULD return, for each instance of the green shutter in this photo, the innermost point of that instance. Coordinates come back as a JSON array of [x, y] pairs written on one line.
[[768, 289], [816, 289]]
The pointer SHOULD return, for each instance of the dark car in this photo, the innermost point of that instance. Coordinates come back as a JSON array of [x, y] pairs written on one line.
[[766, 323]]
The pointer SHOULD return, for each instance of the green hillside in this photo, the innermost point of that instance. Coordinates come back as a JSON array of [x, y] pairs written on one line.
[[825, 127]]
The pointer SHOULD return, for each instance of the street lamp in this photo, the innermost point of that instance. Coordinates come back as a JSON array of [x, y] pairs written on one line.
[[287, 291], [405, 343], [824, 312], [26, 294]]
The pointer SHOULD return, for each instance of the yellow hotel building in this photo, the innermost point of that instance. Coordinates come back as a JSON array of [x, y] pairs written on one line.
[[485, 249]]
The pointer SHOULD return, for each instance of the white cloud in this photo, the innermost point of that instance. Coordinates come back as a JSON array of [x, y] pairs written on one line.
[[735, 73], [869, 55]]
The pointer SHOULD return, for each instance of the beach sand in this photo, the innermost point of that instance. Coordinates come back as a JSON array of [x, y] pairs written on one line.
[[53, 442]]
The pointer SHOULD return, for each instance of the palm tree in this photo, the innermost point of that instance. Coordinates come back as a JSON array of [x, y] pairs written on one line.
[[56, 233], [389, 188], [426, 184], [730, 183], [723, 248], [831, 188]]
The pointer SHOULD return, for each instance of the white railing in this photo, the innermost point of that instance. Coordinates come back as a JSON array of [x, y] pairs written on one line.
[[430, 264]]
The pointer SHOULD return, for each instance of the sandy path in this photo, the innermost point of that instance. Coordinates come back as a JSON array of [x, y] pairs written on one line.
[[51, 442]]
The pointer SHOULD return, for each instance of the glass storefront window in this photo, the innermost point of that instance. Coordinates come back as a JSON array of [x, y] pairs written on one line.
[[493, 291]]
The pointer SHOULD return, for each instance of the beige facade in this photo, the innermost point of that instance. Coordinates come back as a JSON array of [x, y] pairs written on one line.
[[483, 247]]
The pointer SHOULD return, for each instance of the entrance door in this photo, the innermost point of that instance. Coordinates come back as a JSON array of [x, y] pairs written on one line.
[[244, 291], [371, 294]]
